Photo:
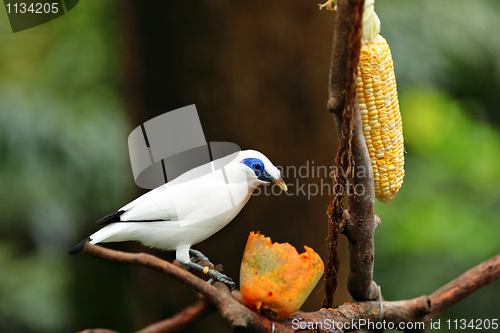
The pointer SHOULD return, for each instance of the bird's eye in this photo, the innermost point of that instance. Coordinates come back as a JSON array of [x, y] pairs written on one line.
[[257, 166]]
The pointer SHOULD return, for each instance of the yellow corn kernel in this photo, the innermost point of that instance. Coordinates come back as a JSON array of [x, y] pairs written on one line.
[[382, 126]]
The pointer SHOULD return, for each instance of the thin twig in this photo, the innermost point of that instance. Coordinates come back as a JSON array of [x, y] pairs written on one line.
[[183, 319]]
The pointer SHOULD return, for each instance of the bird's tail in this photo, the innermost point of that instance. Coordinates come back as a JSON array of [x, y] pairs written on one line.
[[110, 233], [79, 247]]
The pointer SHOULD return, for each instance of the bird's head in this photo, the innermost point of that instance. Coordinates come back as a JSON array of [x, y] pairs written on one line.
[[260, 169]]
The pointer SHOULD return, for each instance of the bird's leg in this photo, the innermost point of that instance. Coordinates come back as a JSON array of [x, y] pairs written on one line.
[[197, 255], [212, 272], [183, 256]]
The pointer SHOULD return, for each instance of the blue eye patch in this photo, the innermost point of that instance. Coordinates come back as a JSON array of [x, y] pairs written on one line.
[[258, 167]]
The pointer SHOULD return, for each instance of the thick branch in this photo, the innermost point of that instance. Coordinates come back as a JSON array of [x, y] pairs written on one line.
[[345, 56], [464, 285], [360, 220], [338, 63], [361, 224]]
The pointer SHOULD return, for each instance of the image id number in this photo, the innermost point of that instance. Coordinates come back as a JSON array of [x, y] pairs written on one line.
[[477, 324], [34, 8]]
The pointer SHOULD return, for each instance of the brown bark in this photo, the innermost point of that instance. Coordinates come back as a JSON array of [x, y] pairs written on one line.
[[359, 220]]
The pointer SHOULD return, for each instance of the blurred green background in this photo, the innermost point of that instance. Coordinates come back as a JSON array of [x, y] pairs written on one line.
[[72, 90]]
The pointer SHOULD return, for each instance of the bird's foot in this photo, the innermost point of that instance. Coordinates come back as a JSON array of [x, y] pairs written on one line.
[[222, 278], [197, 255], [215, 275]]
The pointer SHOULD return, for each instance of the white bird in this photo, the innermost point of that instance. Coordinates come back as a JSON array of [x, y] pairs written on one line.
[[188, 210]]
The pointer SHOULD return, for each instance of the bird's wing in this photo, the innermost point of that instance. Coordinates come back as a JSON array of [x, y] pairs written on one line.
[[173, 202], [156, 205], [167, 202]]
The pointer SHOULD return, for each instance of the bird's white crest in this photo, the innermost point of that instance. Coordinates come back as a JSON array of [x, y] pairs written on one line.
[[269, 166]]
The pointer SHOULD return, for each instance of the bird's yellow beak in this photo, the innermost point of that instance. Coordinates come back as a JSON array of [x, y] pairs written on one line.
[[281, 183]]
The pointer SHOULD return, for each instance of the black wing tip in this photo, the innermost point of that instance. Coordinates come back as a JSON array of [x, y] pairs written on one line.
[[79, 247], [113, 217]]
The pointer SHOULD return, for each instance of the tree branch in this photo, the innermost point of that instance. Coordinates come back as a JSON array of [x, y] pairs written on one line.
[[361, 221], [344, 62], [237, 316], [472, 280], [346, 314], [359, 218]]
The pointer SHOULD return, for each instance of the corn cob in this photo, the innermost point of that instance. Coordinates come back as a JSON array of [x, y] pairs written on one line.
[[379, 106], [382, 126]]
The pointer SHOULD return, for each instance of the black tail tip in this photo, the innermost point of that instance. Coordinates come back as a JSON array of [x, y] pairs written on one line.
[[79, 247]]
